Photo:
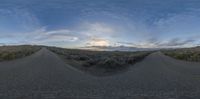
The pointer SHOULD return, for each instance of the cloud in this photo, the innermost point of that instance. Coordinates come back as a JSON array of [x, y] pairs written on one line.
[[124, 44], [15, 19], [5, 12], [96, 29], [39, 36], [94, 34], [180, 24], [100, 28], [56, 36], [100, 33], [97, 42], [176, 42], [155, 43]]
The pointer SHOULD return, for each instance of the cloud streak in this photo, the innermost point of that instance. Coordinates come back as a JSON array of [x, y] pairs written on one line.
[[40, 36]]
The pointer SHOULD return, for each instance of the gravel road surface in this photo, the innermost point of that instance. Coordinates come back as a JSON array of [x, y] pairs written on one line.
[[44, 75]]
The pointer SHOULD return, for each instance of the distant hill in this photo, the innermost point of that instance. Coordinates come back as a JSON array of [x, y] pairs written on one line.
[[117, 48]]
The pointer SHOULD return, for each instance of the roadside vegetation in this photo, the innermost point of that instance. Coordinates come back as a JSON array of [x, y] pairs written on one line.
[[14, 52], [99, 60], [187, 54]]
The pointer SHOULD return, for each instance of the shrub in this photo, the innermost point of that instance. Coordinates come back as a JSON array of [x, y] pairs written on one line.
[[13, 52], [107, 60], [8, 56], [189, 54], [110, 63], [90, 63]]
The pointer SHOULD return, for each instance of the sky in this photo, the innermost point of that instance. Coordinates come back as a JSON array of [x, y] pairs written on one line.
[[85, 23]]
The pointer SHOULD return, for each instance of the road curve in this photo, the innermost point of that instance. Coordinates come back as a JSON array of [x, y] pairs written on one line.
[[44, 75]]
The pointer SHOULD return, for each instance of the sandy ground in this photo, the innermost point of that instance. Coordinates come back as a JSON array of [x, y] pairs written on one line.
[[45, 76]]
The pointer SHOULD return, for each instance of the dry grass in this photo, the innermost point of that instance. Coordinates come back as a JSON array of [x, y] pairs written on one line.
[[187, 54], [14, 52]]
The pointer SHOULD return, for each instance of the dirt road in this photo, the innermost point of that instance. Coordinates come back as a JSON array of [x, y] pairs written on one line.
[[45, 76]]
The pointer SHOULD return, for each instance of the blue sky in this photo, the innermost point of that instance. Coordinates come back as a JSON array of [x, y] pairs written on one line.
[[80, 23]]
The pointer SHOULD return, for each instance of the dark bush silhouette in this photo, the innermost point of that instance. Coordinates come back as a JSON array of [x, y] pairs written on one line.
[[110, 63], [101, 59]]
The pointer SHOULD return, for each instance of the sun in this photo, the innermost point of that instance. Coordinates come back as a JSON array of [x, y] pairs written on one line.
[[98, 42]]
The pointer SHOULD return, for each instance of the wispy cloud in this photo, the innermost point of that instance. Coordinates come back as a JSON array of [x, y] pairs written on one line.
[[176, 42], [179, 25], [16, 19], [154, 43], [55, 36], [96, 29], [40, 36]]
